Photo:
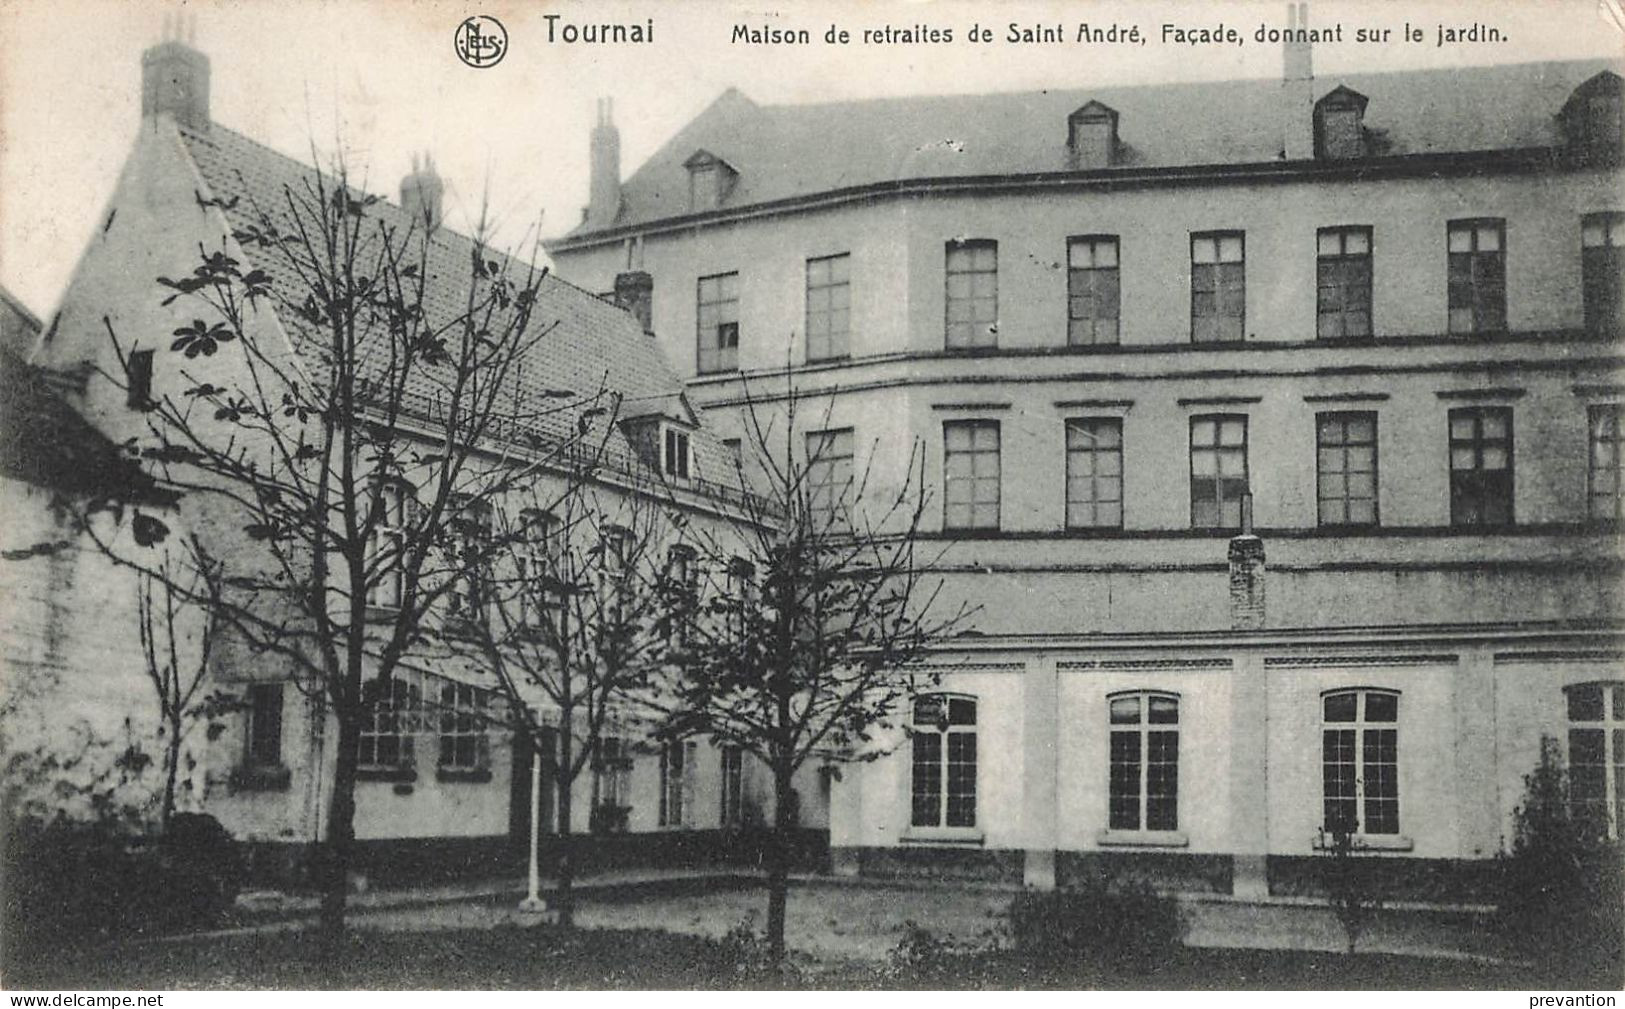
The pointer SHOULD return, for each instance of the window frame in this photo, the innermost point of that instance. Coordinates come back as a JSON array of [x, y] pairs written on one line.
[[1141, 730], [1602, 273], [723, 304], [839, 295], [1098, 276], [391, 720], [830, 453], [677, 783], [612, 766], [676, 452], [1218, 420], [977, 333], [947, 818], [256, 754], [1469, 485], [1220, 290], [1345, 418], [977, 481], [1611, 726], [1343, 259], [732, 785], [397, 503], [472, 523], [1612, 435], [1360, 725], [1074, 454], [462, 736], [1487, 315]]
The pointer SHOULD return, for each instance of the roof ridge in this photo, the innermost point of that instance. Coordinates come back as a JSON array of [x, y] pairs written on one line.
[[1319, 78]]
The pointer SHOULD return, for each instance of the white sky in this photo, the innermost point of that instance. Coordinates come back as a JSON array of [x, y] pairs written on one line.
[[383, 76]]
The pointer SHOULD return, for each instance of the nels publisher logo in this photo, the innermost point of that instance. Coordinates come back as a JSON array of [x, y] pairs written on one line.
[[481, 41]]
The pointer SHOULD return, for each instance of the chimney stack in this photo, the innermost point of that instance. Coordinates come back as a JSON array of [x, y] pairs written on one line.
[[421, 193], [604, 191], [1246, 574], [1297, 88], [635, 292], [175, 77]]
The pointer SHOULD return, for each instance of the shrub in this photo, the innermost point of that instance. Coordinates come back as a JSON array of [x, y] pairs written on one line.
[[69, 881], [1563, 882], [1126, 925]]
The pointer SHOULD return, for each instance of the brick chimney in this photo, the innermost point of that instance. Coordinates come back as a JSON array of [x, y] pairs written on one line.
[[1297, 88], [635, 292], [604, 191], [175, 77], [1246, 574], [421, 193]]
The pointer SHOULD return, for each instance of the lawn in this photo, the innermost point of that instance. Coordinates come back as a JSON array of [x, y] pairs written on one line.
[[517, 957]]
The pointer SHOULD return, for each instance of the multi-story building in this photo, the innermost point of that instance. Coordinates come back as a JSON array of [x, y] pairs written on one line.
[[442, 786], [1354, 341]]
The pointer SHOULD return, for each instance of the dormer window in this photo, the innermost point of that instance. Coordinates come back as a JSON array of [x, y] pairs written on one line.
[[1592, 121], [1092, 136], [1340, 124], [710, 180]]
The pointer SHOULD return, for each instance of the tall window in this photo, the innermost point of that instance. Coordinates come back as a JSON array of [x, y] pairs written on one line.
[[1091, 290], [1606, 489], [397, 504], [829, 307], [733, 786], [719, 323], [264, 725], [1481, 466], [1144, 792], [1094, 473], [1360, 761], [676, 782], [829, 478], [1347, 459], [1218, 287], [613, 572], [674, 458], [537, 560], [388, 727], [1602, 271], [1343, 280], [471, 538], [944, 761], [1218, 470], [1478, 275], [1597, 756], [973, 294], [463, 742], [970, 474], [612, 773]]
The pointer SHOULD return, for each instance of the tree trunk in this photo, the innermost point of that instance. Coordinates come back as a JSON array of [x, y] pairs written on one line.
[[335, 856], [566, 868], [778, 861], [172, 760]]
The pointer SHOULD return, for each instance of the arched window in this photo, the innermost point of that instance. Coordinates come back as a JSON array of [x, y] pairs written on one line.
[[1596, 717], [943, 790], [1144, 783], [1360, 761]]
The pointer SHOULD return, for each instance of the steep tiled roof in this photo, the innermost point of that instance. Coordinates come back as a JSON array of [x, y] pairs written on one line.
[[589, 344], [786, 151], [19, 328]]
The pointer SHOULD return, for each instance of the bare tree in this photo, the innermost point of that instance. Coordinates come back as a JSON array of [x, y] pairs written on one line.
[[577, 629], [324, 469], [176, 668], [819, 608]]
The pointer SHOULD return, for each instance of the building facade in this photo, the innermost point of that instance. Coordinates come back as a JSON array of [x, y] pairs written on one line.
[[444, 787], [1272, 430]]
